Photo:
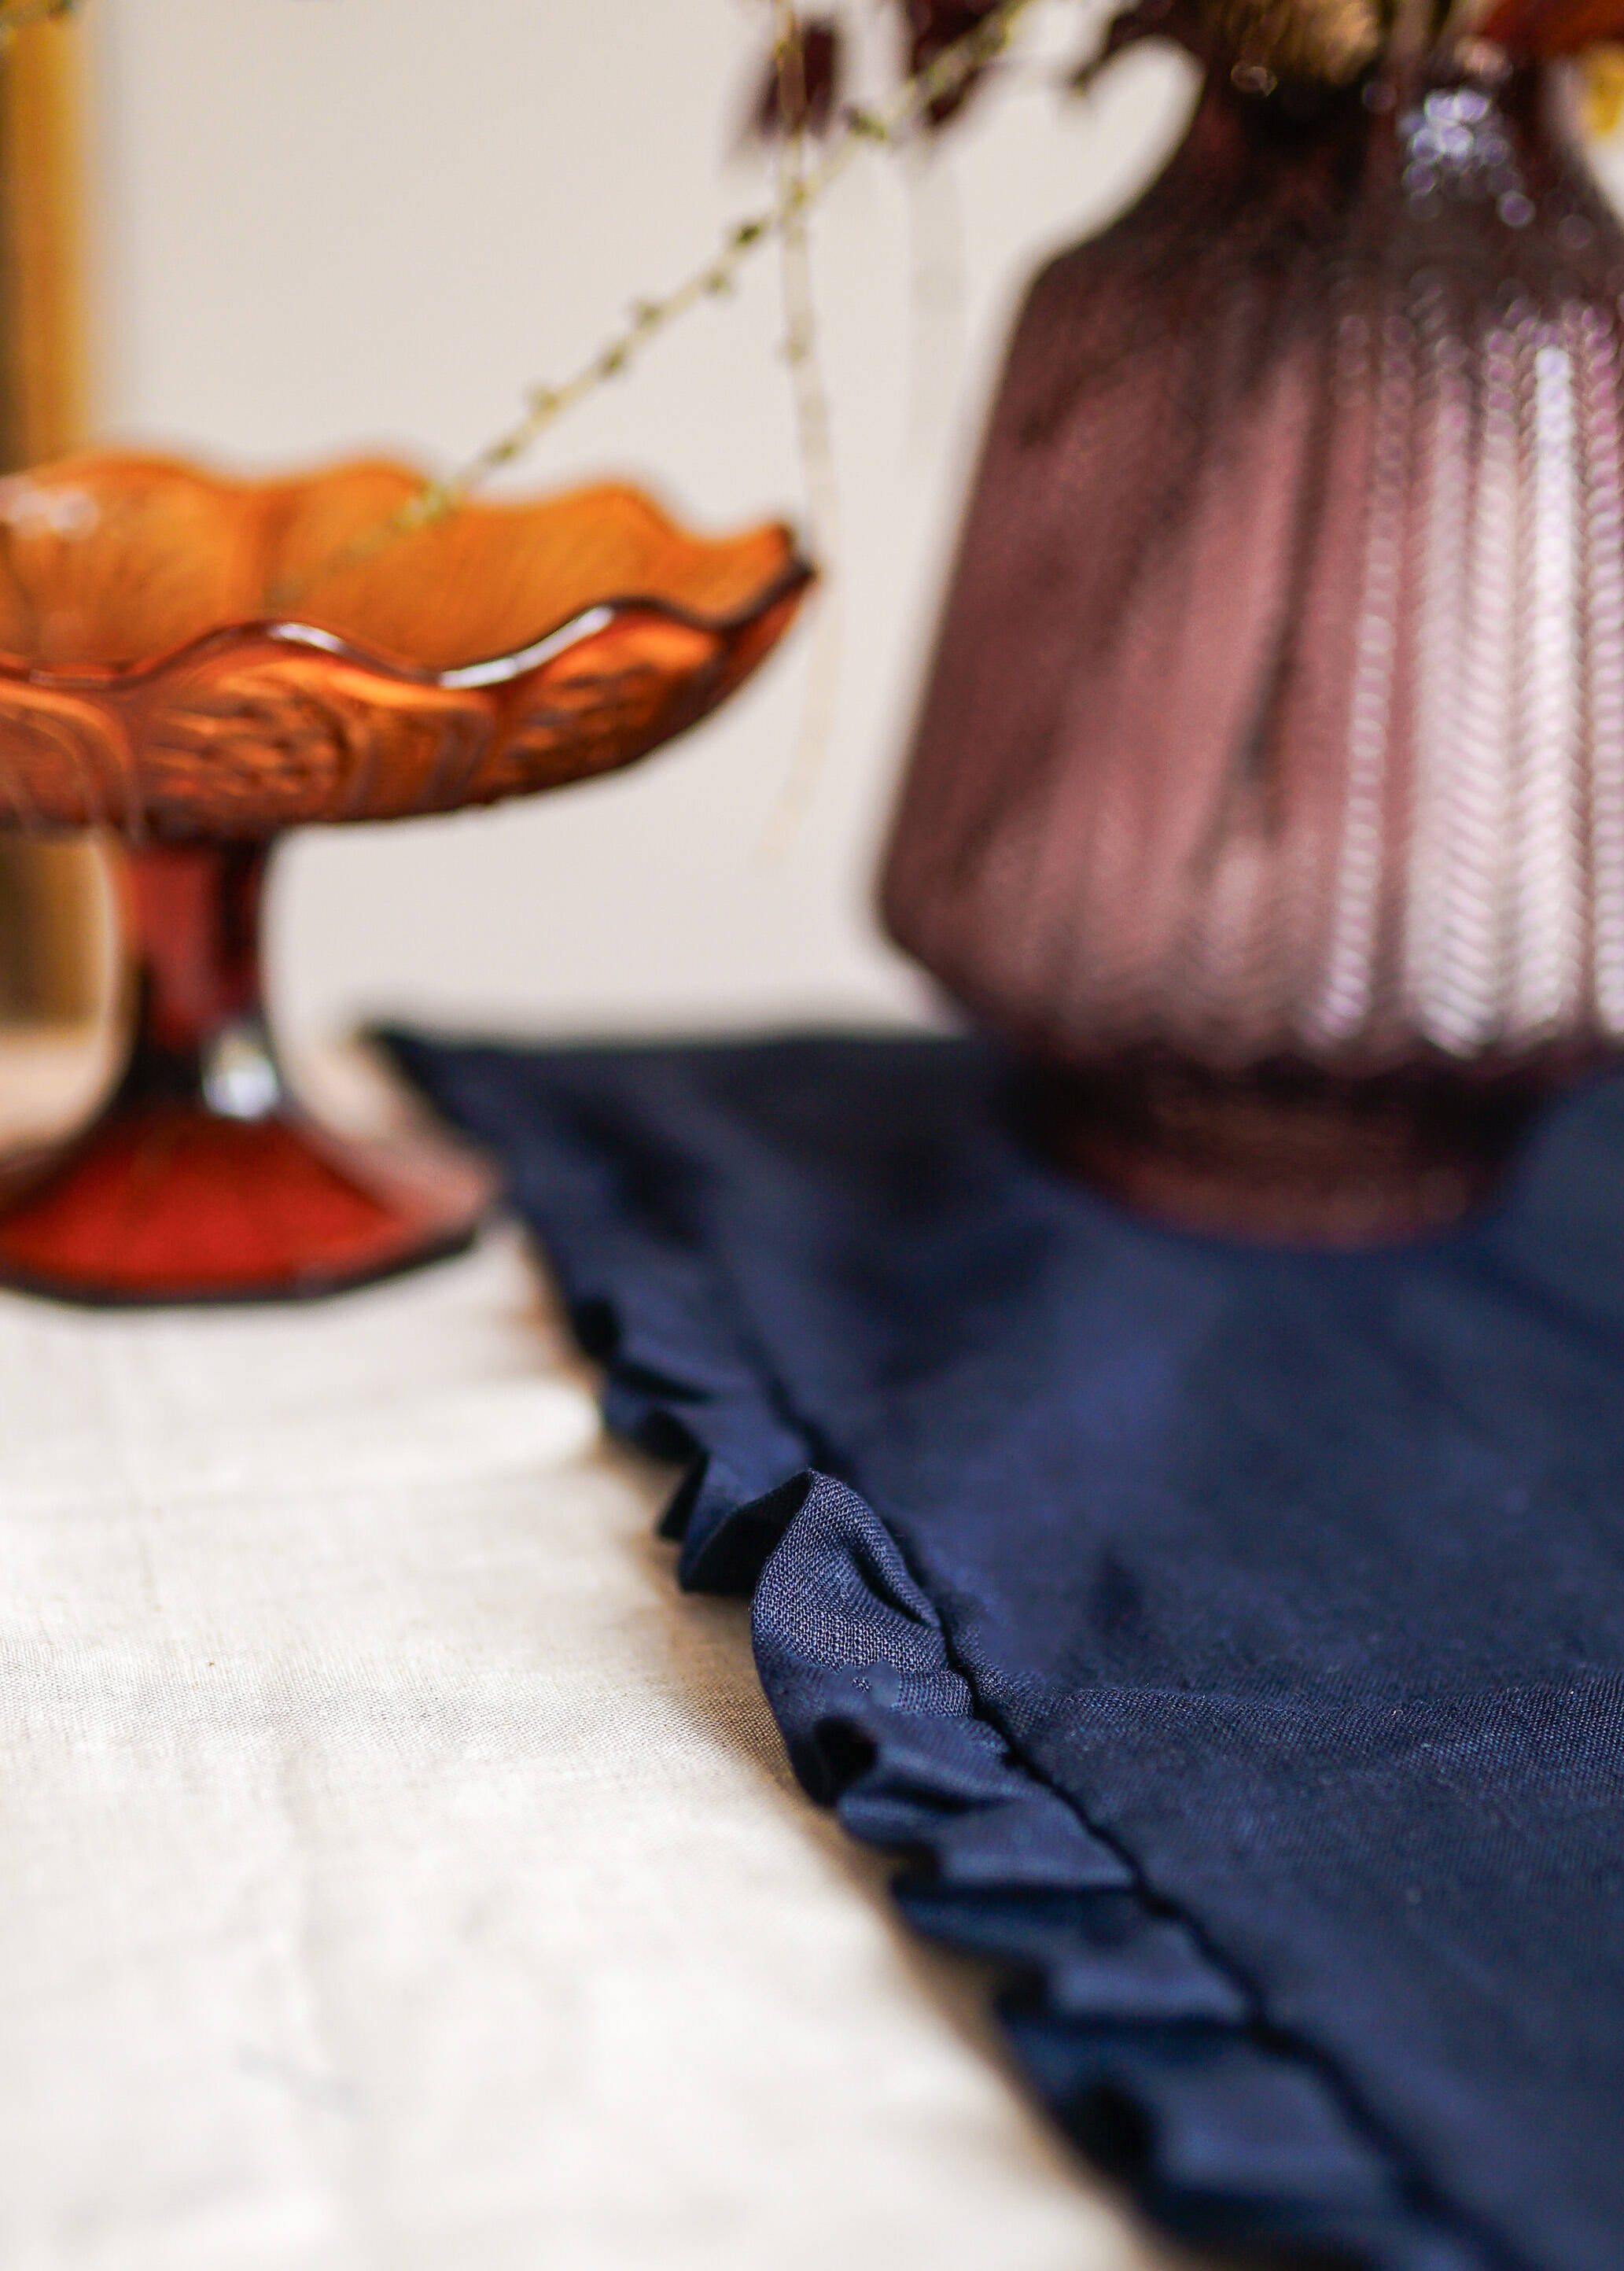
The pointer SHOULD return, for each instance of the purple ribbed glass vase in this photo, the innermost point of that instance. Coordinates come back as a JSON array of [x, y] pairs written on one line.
[[1269, 788]]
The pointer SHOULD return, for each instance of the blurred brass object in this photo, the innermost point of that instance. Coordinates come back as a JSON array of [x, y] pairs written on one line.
[[1602, 69], [53, 951], [1331, 41], [55, 942], [42, 250]]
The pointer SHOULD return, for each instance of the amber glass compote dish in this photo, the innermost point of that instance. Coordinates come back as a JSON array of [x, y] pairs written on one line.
[[198, 663]]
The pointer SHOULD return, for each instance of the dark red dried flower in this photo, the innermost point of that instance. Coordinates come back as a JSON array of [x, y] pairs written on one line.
[[807, 100], [1542, 28], [800, 98], [933, 25]]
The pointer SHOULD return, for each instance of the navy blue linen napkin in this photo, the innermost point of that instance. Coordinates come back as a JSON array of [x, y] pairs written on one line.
[[1233, 1637]]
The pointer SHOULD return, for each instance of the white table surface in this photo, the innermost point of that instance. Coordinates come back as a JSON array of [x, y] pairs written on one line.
[[399, 1871]]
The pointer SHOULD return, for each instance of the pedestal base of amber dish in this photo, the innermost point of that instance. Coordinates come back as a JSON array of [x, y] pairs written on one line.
[[202, 1179], [1283, 1153]]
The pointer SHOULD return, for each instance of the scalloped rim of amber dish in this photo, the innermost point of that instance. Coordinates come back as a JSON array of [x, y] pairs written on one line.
[[42, 525]]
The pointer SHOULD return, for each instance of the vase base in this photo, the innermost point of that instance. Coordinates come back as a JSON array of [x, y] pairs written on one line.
[[164, 1203], [1281, 1153]]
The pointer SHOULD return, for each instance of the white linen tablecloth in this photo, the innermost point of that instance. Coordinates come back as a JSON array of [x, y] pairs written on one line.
[[399, 1871]]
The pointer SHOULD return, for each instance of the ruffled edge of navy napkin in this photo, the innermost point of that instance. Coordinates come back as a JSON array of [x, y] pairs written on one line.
[[1146, 2049]]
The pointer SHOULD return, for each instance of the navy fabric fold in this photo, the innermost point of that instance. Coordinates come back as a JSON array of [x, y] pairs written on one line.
[[1231, 1640]]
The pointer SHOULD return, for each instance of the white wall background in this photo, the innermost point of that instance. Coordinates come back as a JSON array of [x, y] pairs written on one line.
[[326, 225]]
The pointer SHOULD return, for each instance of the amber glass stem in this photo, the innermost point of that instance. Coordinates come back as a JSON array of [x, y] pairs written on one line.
[[193, 917]]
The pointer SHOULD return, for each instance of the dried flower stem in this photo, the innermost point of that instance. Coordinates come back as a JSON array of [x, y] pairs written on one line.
[[811, 407], [798, 193], [811, 414]]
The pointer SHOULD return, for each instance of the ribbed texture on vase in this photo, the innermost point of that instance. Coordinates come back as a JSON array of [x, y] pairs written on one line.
[[1278, 709]]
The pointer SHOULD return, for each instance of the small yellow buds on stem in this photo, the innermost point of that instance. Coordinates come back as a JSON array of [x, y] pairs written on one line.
[[799, 190]]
